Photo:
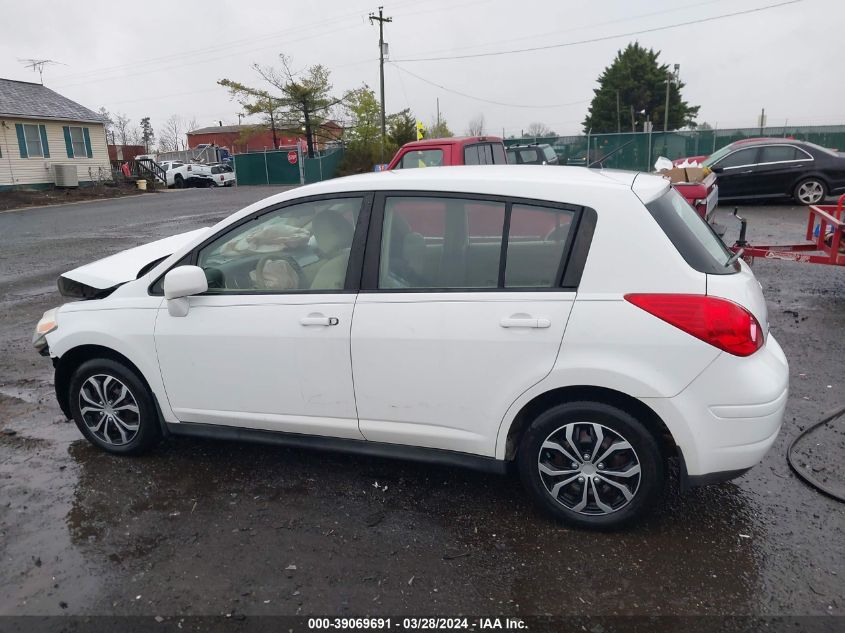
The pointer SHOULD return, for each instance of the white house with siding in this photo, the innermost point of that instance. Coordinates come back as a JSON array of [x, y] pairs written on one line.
[[40, 129]]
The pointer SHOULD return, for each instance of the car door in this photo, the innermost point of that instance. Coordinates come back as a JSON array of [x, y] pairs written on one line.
[[453, 322], [735, 173], [267, 347], [779, 168]]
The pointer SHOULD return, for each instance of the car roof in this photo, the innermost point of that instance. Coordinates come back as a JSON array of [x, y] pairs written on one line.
[[575, 185], [453, 140], [528, 145], [766, 141]]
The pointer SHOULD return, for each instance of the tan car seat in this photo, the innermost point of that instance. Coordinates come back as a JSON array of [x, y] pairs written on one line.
[[333, 236]]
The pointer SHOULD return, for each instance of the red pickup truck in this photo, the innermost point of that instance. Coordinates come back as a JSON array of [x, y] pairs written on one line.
[[489, 150], [438, 152]]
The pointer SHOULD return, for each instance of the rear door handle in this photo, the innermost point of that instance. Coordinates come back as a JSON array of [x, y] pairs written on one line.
[[318, 319], [509, 322]]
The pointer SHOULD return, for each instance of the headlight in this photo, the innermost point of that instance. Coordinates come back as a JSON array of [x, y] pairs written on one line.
[[48, 323]]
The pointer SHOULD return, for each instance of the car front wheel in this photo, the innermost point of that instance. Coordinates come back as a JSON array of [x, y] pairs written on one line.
[[591, 465], [113, 408], [810, 191]]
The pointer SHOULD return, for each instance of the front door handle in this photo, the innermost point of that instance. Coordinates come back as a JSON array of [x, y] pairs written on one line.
[[318, 319], [525, 321]]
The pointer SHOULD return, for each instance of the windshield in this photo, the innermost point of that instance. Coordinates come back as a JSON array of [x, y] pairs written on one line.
[[695, 240]]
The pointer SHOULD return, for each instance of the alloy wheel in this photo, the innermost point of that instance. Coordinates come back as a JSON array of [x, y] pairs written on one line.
[[589, 468], [109, 409], [810, 192]]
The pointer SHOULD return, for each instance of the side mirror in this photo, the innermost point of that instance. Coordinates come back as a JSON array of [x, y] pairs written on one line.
[[717, 170], [179, 284]]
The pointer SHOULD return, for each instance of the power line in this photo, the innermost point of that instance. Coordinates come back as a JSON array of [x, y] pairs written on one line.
[[204, 60], [229, 45], [468, 96], [601, 39], [534, 36]]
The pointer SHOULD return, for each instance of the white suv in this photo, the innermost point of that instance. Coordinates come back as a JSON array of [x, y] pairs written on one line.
[[586, 325]]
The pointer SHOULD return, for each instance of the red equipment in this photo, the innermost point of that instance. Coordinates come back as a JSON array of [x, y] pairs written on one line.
[[824, 248]]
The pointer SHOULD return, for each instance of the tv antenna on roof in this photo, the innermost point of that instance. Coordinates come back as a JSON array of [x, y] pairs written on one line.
[[37, 65]]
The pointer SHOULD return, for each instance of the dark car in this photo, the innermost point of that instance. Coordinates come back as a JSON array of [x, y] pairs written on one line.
[[778, 168], [533, 154]]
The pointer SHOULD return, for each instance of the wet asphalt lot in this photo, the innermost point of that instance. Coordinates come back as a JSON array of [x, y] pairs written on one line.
[[213, 528]]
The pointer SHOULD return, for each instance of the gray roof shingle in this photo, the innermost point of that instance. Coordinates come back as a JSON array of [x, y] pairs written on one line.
[[29, 100]]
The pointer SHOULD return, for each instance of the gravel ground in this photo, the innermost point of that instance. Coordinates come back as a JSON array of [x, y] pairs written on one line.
[[214, 528]]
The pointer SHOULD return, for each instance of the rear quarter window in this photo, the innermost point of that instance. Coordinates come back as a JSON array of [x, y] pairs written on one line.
[[421, 158], [694, 239]]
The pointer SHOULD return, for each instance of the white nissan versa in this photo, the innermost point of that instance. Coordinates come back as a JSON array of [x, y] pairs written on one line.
[[584, 324]]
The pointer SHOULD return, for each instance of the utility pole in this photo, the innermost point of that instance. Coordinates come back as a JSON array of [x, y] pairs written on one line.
[[670, 79], [381, 20], [618, 116], [438, 114]]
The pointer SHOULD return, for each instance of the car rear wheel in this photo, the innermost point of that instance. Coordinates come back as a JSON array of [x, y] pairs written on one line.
[[810, 191], [179, 182], [591, 465], [113, 408]]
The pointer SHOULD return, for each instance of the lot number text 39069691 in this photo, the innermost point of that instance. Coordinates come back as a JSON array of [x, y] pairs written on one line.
[[416, 623]]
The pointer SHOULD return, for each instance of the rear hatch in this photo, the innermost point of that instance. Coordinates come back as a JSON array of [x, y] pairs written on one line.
[[744, 289], [727, 277]]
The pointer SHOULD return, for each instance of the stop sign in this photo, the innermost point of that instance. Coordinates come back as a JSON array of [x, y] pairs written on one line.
[[292, 157]]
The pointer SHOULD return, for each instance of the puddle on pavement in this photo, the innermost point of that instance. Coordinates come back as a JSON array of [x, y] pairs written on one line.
[[207, 506]]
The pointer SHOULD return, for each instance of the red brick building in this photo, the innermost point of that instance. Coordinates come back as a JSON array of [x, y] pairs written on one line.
[[125, 152], [243, 138]]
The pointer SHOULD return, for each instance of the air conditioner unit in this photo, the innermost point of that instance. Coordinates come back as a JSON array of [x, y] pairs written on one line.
[[66, 175]]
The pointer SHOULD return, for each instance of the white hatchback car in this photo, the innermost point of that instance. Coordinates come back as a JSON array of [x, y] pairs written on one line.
[[584, 324]]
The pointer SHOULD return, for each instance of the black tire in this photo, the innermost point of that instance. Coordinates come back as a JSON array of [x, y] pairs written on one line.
[[810, 191], [178, 181], [648, 486], [122, 441]]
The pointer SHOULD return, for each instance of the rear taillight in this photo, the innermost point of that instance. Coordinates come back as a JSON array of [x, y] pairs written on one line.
[[719, 322]]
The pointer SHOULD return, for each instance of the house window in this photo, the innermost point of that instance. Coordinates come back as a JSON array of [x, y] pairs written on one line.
[[77, 140], [33, 141]]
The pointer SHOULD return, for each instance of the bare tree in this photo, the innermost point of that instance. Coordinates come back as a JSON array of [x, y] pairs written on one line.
[[539, 129], [108, 124], [302, 100], [169, 136], [192, 125], [476, 126], [123, 131]]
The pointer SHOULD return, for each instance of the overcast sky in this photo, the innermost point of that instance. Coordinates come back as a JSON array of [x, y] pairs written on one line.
[[163, 58]]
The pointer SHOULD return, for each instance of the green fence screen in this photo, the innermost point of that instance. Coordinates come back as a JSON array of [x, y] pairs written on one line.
[[639, 150], [274, 168]]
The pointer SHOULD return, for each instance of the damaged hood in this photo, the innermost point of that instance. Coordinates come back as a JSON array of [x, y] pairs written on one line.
[[124, 266]]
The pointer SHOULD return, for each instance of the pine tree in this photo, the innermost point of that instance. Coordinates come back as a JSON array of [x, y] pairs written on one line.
[[640, 81]]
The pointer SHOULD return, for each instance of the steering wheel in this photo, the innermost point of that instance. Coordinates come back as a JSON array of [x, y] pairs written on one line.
[[262, 263]]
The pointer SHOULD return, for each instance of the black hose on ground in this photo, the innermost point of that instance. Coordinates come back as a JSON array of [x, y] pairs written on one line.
[[802, 473]]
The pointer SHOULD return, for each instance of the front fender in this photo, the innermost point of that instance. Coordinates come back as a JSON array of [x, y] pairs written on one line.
[[81, 327]]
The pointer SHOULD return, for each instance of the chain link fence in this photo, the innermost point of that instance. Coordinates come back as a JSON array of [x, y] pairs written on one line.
[[639, 150]]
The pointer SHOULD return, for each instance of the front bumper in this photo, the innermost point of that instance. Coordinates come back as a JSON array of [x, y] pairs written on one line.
[[727, 419]]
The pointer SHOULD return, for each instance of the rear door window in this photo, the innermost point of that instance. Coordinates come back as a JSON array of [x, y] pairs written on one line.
[[499, 154], [694, 239], [441, 243], [529, 156], [537, 237], [779, 154]]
